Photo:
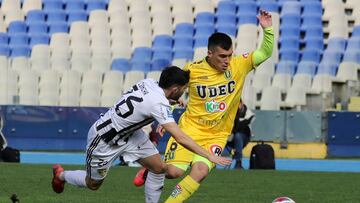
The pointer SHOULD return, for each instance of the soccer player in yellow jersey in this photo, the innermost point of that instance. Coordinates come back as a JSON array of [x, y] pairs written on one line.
[[215, 88]]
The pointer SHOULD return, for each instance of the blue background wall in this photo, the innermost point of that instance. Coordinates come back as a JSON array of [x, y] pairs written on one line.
[[65, 128]]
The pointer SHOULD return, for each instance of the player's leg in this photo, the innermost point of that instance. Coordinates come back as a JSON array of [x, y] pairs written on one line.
[[187, 186], [175, 157], [144, 151], [156, 169], [238, 145], [96, 167], [200, 168]]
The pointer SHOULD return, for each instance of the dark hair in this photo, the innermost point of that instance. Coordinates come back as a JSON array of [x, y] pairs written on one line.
[[219, 39], [173, 75]]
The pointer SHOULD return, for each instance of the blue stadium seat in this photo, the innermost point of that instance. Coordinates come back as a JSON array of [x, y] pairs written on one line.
[[337, 44], [159, 64], [247, 7], [95, 4], [183, 53], [291, 7], [205, 18], [35, 15], [289, 31], [314, 32], [356, 31], [306, 67], [4, 50], [75, 5], [4, 38], [353, 43], [55, 16], [286, 67], [247, 18], [201, 41], [183, 42], [19, 39], [226, 6], [39, 38], [271, 6], [289, 55], [58, 27], [226, 18], [162, 53], [311, 55], [227, 29], [163, 41], [311, 21], [140, 65], [332, 56], [290, 20], [312, 7], [37, 27], [352, 55], [17, 27], [314, 43], [204, 30], [327, 68], [20, 50], [184, 29], [120, 64], [79, 15], [289, 43], [142, 53], [52, 5]]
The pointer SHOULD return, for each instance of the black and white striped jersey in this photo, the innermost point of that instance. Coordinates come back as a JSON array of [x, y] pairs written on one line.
[[137, 107]]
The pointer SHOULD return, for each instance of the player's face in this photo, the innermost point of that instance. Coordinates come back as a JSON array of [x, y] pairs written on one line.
[[177, 92], [219, 58]]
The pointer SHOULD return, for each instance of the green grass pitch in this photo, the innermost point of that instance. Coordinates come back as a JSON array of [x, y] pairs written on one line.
[[31, 183]]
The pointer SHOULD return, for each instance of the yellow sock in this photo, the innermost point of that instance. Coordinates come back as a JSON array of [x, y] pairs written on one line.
[[183, 190]]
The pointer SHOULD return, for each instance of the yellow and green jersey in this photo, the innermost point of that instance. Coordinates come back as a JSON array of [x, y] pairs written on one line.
[[214, 97]]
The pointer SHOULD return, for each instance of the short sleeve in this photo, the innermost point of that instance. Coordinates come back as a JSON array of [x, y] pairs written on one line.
[[163, 113]]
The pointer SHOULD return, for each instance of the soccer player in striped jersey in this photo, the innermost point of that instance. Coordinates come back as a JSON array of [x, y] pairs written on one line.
[[118, 132], [215, 87]]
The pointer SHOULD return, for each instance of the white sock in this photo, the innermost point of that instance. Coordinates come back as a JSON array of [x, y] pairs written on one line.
[[153, 187], [75, 177]]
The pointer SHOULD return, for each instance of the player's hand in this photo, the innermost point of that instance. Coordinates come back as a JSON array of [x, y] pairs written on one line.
[[265, 19], [220, 160], [160, 130], [180, 102]]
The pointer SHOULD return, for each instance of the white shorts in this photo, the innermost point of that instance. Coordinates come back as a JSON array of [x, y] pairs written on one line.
[[100, 155]]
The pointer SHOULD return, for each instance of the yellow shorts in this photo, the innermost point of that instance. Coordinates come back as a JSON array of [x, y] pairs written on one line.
[[182, 158]]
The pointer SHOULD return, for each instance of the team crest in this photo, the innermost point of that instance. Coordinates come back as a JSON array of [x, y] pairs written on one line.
[[102, 172], [216, 149], [227, 74], [177, 190]]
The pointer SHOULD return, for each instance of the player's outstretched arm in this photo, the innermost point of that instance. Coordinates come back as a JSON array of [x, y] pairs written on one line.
[[189, 144], [266, 48]]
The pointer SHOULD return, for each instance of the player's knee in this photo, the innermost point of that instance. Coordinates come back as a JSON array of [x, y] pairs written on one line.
[[200, 171], [173, 172], [93, 184], [159, 169]]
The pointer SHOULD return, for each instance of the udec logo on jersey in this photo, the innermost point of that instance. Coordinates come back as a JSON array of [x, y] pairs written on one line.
[[216, 149], [215, 106]]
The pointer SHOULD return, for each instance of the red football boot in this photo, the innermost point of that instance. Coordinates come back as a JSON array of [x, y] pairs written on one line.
[[140, 177], [57, 183]]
